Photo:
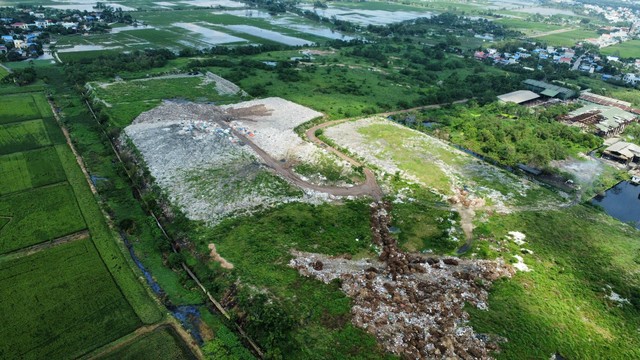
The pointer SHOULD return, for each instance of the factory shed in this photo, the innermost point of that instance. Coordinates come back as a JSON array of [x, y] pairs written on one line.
[[519, 97]]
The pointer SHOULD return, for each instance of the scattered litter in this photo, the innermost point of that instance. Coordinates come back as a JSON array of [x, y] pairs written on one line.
[[520, 265]]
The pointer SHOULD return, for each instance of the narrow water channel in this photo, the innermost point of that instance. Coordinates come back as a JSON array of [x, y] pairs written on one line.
[[621, 202], [188, 315]]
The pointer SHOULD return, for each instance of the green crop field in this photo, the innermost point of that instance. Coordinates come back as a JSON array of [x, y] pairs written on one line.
[[44, 167], [25, 170], [39, 215], [65, 300], [23, 136], [14, 174], [60, 303], [18, 108], [160, 344]]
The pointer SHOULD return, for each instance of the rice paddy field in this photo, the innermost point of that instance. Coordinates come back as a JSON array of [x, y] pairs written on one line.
[[66, 287], [198, 29]]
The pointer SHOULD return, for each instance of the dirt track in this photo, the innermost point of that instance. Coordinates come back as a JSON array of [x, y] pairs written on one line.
[[369, 187]]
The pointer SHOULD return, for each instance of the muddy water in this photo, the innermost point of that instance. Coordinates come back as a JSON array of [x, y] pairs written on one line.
[[621, 202]]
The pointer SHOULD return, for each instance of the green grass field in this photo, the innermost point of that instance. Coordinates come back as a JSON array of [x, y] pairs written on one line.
[[39, 215], [568, 38], [18, 107], [3, 72], [562, 305], [526, 26], [130, 98], [60, 303], [160, 344], [22, 136], [627, 49]]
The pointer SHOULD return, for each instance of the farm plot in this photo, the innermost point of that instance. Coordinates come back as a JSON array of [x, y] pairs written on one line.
[[18, 107], [39, 215], [62, 316], [432, 163], [23, 136], [24, 170], [160, 344]]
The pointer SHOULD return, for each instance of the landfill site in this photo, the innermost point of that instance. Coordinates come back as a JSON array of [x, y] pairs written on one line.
[[216, 161], [191, 151]]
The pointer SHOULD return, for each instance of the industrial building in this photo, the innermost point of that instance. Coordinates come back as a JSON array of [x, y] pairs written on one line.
[[521, 97], [606, 120], [623, 152], [549, 90]]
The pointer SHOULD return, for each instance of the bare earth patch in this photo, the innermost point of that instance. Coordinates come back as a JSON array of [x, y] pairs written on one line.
[[217, 258]]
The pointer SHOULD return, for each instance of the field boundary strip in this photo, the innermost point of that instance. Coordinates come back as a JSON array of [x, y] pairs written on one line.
[[30, 250]]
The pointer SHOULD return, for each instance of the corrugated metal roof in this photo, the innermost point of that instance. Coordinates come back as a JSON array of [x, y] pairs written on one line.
[[519, 96]]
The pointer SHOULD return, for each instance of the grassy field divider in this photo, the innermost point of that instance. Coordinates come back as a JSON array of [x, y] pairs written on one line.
[[104, 238]]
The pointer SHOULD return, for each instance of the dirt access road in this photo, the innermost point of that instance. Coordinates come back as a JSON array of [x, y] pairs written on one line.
[[369, 187]]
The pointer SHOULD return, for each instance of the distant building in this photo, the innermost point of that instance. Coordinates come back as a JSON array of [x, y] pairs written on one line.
[[519, 97], [20, 25], [549, 90], [3, 49], [19, 44], [7, 39], [606, 120], [623, 152]]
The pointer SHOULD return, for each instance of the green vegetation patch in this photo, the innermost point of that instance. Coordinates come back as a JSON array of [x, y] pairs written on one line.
[[569, 38], [23, 136], [311, 319], [564, 305], [18, 107], [628, 49], [418, 158], [39, 215], [60, 303], [14, 174], [160, 344], [44, 166], [128, 99]]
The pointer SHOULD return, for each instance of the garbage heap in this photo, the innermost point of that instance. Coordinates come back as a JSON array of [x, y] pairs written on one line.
[[413, 304]]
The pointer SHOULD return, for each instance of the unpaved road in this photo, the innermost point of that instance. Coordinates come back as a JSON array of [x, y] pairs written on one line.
[[368, 188]]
